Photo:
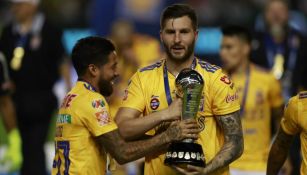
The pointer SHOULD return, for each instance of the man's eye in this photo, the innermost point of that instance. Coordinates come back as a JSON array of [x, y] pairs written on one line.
[[170, 32]]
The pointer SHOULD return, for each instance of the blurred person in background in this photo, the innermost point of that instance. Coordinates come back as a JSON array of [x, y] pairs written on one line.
[[7, 110], [260, 97], [281, 49], [134, 51], [34, 53]]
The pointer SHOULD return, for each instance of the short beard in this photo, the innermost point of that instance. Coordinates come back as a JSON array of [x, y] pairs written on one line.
[[105, 87], [185, 57]]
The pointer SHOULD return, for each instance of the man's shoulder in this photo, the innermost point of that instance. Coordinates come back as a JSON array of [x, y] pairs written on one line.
[[84, 94], [151, 68], [208, 67]]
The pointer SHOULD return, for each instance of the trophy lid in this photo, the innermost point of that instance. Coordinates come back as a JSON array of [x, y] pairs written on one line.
[[189, 76]]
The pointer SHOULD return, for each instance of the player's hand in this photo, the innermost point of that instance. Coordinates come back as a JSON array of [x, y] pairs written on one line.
[[179, 130], [190, 170], [174, 110], [13, 154], [162, 127]]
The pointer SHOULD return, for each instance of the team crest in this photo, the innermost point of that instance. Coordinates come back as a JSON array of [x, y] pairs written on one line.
[[154, 103], [225, 79], [98, 103]]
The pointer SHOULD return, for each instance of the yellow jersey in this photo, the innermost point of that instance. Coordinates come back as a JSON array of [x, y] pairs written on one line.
[[295, 121], [146, 51], [146, 93], [83, 115], [258, 92]]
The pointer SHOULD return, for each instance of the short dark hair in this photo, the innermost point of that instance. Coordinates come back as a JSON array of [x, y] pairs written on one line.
[[177, 11], [238, 31], [91, 50]]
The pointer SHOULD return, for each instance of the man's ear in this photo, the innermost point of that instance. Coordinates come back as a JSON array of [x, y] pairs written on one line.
[[93, 70], [161, 36]]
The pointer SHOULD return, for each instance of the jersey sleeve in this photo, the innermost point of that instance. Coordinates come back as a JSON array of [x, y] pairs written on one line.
[[275, 93], [134, 97], [96, 117], [224, 95], [289, 122]]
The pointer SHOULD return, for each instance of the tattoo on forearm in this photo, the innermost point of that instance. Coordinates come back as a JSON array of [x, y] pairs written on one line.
[[233, 144], [278, 152], [124, 151]]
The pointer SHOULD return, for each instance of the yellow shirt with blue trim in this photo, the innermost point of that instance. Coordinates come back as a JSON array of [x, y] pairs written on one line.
[[263, 94], [83, 115], [146, 94], [295, 122]]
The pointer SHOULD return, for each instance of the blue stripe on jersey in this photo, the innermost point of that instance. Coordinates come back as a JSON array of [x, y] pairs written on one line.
[[151, 67], [207, 66]]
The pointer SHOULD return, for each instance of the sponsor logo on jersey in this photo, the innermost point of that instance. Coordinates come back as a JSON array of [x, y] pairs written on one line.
[[98, 103], [154, 103], [231, 98], [63, 118], [102, 117], [225, 79]]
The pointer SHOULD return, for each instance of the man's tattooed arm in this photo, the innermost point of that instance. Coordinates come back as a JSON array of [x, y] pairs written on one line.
[[233, 145], [231, 150], [279, 152], [124, 151]]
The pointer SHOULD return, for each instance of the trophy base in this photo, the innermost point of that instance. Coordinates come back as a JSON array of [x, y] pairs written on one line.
[[182, 153]]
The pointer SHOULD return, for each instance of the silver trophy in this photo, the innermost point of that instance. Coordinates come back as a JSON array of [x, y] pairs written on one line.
[[189, 84]]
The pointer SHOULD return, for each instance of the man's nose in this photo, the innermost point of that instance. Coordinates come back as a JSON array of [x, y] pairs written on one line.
[[177, 37]]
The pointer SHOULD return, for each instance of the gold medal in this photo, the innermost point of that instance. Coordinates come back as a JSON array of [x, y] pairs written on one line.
[[17, 58], [278, 68]]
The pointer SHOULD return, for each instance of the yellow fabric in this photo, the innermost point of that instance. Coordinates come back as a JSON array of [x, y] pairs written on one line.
[[264, 93], [146, 51], [83, 116], [146, 94], [295, 121]]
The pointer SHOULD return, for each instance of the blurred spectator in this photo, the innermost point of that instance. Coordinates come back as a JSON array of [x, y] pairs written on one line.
[[7, 110], [34, 54], [260, 97], [134, 51], [280, 48], [221, 12], [143, 14]]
